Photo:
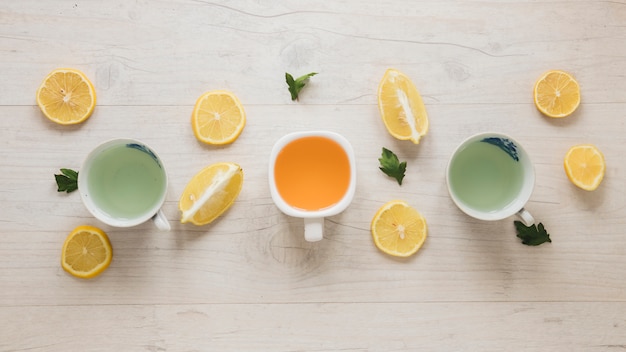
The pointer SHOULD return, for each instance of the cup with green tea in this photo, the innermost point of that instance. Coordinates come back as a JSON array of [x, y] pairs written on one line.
[[123, 183], [491, 177]]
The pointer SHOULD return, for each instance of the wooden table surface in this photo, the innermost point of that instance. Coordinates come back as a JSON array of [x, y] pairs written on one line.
[[249, 281]]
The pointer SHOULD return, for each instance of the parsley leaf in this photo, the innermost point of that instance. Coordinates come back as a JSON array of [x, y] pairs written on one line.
[[67, 181], [296, 85], [391, 166], [532, 235]]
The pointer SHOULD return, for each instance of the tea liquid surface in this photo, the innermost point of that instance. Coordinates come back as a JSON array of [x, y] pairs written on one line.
[[485, 177], [312, 173], [126, 182]]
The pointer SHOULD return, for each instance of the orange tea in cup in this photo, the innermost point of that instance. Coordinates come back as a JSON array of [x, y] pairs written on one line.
[[312, 173]]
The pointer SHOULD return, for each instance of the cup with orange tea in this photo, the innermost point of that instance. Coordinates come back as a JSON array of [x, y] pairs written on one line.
[[312, 175]]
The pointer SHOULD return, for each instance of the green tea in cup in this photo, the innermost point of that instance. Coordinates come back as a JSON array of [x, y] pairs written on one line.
[[490, 177], [123, 183]]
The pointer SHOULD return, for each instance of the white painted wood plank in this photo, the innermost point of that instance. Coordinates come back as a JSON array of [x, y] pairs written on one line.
[[476, 326], [168, 52]]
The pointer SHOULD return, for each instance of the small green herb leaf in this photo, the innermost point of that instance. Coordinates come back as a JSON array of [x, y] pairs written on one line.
[[391, 165], [533, 235], [67, 181], [296, 85], [70, 173]]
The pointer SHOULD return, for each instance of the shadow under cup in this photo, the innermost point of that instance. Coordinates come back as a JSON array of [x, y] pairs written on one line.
[[491, 177], [123, 183]]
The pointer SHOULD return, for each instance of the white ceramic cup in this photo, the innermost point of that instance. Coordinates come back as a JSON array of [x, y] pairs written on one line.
[[313, 219], [123, 183], [502, 172]]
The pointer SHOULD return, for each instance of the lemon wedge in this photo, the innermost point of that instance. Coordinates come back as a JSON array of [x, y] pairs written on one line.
[[210, 193], [401, 107]]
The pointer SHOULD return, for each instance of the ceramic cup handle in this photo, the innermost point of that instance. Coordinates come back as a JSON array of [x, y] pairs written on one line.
[[527, 219], [160, 221], [313, 229]]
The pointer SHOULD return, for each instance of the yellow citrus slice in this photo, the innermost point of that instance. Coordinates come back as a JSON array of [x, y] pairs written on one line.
[[585, 166], [218, 118], [401, 107], [66, 96], [398, 229], [86, 252], [556, 94], [210, 192]]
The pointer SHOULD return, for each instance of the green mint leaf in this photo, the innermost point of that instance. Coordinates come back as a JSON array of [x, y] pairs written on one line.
[[295, 86], [67, 181], [391, 165], [304, 78], [292, 86], [533, 235], [70, 173]]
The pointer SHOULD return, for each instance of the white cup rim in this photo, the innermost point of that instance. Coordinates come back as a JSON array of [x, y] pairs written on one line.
[[93, 208], [329, 211], [519, 202]]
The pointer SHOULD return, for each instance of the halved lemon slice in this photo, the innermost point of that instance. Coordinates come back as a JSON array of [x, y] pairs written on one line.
[[210, 192], [401, 107], [398, 229], [556, 94], [218, 118], [585, 166], [66, 96], [87, 252]]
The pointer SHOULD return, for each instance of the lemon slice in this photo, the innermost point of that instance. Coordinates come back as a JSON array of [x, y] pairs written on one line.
[[87, 252], [66, 96], [218, 118], [398, 229], [401, 107], [585, 166], [556, 94], [210, 192]]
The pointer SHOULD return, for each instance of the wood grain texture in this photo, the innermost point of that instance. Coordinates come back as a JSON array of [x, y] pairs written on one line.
[[249, 281], [322, 327]]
